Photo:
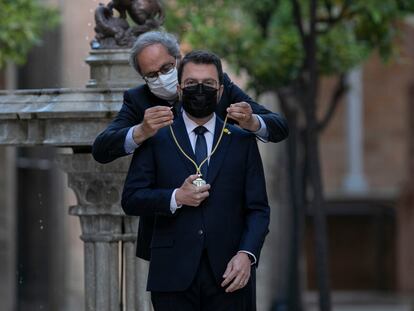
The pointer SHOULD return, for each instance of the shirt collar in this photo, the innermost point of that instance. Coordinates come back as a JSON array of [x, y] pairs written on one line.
[[190, 125]]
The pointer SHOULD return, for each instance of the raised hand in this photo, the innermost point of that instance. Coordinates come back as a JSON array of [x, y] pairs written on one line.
[[155, 118], [243, 114]]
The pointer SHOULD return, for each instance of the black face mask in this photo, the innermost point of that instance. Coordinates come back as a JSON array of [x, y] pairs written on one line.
[[199, 100]]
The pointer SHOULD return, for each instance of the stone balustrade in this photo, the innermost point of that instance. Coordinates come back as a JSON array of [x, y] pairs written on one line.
[[57, 117]]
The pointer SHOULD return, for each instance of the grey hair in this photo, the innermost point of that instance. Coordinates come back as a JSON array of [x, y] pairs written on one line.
[[169, 41]]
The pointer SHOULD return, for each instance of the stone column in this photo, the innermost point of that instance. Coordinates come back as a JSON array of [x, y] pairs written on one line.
[[271, 273], [11, 76], [136, 271], [7, 229], [8, 214], [355, 180], [405, 212], [105, 232]]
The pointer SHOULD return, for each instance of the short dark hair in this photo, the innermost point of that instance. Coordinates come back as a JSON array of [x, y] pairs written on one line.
[[201, 57]]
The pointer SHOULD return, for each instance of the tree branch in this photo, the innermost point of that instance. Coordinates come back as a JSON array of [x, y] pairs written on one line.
[[297, 14], [263, 20], [328, 7], [332, 20], [340, 89]]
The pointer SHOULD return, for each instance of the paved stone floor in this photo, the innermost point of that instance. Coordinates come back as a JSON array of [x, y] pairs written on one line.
[[367, 308], [363, 301]]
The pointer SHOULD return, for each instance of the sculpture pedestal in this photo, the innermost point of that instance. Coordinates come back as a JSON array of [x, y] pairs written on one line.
[[111, 69]]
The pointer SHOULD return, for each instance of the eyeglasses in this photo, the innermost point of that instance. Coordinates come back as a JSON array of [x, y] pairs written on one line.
[[207, 82], [164, 70]]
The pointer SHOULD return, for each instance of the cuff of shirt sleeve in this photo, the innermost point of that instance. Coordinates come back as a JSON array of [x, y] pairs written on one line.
[[130, 145], [173, 203], [251, 256], [262, 132]]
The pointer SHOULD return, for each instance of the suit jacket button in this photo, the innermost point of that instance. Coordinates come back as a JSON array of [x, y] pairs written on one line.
[[200, 232]]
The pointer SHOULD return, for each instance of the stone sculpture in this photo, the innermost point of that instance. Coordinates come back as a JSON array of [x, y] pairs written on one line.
[[114, 32]]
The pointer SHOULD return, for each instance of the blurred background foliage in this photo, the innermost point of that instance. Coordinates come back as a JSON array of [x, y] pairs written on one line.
[[22, 23], [262, 37], [285, 47]]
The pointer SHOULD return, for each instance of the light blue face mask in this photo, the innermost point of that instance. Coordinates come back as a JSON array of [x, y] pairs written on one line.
[[165, 86]]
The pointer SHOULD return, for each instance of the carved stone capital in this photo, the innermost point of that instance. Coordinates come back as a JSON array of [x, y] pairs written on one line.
[[98, 187]]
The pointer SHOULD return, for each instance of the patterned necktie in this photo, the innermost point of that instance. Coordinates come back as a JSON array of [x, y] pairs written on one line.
[[201, 149]]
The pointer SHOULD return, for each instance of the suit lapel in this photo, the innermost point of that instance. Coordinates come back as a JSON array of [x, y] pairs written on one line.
[[181, 134], [217, 158]]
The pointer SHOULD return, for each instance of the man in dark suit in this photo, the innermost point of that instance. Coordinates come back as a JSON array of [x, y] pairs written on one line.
[[207, 235], [146, 108]]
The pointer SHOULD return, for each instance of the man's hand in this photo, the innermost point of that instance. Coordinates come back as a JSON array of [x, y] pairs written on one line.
[[237, 273], [189, 194], [154, 118], [243, 114]]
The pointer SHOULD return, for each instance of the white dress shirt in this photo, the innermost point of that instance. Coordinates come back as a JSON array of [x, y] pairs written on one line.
[[210, 125]]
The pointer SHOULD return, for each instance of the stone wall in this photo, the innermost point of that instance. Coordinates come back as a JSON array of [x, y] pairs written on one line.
[[385, 123]]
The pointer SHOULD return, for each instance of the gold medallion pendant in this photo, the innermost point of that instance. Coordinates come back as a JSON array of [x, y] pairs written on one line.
[[199, 182]]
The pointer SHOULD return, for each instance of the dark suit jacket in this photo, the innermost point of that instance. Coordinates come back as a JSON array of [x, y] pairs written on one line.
[[234, 217], [109, 145]]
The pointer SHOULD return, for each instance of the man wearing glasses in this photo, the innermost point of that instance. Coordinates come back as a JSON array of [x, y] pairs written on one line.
[[147, 108]]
